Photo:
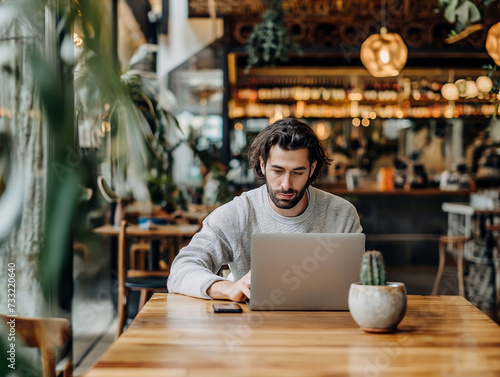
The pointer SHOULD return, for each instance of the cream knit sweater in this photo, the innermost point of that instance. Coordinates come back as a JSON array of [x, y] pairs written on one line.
[[227, 234]]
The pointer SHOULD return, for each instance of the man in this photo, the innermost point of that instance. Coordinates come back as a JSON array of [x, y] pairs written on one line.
[[288, 156]]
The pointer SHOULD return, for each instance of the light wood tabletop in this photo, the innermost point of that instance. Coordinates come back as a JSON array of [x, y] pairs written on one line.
[[175, 335], [160, 231]]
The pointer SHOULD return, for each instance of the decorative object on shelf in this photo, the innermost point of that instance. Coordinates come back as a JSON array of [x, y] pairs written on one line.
[[270, 40], [450, 91], [484, 84], [464, 14], [376, 305]]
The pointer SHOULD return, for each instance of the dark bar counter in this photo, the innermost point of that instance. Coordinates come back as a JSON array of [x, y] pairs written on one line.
[[404, 225]]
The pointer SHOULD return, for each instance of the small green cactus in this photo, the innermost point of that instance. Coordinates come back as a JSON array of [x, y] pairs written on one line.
[[372, 269]]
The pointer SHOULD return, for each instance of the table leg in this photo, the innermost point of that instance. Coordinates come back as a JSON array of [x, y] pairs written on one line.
[[496, 263], [154, 255]]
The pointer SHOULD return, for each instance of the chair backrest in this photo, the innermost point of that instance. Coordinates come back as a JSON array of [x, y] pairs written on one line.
[[122, 259], [123, 270], [46, 334]]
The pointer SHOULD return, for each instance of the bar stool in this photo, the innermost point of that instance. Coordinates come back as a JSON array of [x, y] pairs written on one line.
[[452, 241], [496, 261]]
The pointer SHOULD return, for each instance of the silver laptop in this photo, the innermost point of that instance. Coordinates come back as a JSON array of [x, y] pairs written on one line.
[[306, 271]]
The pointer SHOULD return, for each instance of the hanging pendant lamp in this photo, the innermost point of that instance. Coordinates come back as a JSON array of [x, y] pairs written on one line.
[[384, 54], [493, 43]]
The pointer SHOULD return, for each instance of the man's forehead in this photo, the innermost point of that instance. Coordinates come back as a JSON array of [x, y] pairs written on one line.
[[277, 154], [277, 150]]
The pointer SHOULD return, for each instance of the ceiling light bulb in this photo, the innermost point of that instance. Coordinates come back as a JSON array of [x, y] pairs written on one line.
[[384, 55]]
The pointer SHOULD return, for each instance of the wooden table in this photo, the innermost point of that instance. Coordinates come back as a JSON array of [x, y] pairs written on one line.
[[159, 232], [174, 335]]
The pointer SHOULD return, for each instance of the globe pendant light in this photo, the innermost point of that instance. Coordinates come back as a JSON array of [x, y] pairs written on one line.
[[493, 43], [384, 54]]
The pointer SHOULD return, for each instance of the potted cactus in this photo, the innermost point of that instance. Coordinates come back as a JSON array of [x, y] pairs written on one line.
[[376, 305]]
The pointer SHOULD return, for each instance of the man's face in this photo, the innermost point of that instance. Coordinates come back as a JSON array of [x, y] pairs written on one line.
[[287, 174]]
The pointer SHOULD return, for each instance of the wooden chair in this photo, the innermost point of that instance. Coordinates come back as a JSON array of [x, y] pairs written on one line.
[[138, 252], [457, 246], [47, 334], [134, 280]]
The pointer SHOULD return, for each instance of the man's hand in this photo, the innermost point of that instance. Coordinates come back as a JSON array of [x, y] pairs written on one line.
[[232, 290]]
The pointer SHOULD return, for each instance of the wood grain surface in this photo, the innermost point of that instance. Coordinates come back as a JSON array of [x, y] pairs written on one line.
[[174, 335], [170, 230]]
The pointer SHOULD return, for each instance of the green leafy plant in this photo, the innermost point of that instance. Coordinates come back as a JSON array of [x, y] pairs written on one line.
[[493, 73], [270, 40], [165, 192], [463, 14], [372, 269]]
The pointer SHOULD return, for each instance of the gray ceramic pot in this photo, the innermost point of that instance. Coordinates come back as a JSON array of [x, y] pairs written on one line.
[[377, 308]]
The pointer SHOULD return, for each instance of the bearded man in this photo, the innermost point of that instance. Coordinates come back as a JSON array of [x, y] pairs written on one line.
[[288, 156]]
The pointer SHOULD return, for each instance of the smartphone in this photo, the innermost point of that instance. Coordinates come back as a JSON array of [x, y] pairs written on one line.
[[227, 308]]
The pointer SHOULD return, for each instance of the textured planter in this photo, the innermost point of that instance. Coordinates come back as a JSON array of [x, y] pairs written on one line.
[[377, 308]]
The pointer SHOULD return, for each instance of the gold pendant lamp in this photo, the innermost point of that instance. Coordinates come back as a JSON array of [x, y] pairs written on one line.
[[493, 43], [384, 54]]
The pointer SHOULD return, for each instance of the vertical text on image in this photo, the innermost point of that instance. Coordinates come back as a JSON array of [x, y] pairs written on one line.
[[11, 314]]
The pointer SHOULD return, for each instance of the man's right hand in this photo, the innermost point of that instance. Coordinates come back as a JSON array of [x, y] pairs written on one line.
[[231, 290]]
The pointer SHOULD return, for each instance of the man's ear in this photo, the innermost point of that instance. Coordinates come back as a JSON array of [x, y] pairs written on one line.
[[313, 167], [262, 166]]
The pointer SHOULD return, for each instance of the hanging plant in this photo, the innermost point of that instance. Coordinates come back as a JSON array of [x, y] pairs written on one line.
[[270, 40], [464, 15]]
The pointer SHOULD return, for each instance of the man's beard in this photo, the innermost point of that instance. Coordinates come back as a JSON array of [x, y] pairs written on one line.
[[286, 203]]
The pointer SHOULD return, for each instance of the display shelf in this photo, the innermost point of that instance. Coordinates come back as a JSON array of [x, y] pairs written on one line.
[[312, 92]]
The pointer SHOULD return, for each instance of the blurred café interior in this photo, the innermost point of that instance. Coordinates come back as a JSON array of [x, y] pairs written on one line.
[[403, 94]]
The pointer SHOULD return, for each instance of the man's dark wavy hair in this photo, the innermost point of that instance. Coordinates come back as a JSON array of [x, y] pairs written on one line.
[[290, 134]]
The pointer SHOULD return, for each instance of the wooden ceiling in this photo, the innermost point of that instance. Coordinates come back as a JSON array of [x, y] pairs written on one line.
[[341, 26]]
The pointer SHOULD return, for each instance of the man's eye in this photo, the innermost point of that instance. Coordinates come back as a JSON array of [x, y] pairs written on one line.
[[277, 171], [298, 173]]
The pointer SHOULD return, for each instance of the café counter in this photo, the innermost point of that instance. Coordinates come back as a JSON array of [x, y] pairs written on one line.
[[404, 224]]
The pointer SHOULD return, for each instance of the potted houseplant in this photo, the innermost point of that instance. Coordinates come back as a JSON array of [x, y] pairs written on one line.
[[376, 305]]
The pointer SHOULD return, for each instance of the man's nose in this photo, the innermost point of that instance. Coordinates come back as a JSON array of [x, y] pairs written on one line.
[[286, 183]]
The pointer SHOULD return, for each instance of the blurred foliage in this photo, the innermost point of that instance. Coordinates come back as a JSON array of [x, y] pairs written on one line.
[[270, 40], [101, 90], [165, 193], [462, 13], [216, 188], [224, 193], [143, 89], [493, 73]]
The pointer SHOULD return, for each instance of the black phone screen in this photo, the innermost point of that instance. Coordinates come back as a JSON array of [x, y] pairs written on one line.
[[227, 308]]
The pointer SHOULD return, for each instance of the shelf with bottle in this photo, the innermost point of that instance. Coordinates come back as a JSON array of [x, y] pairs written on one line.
[[345, 93], [354, 109], [313, 89], [385, 92]]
